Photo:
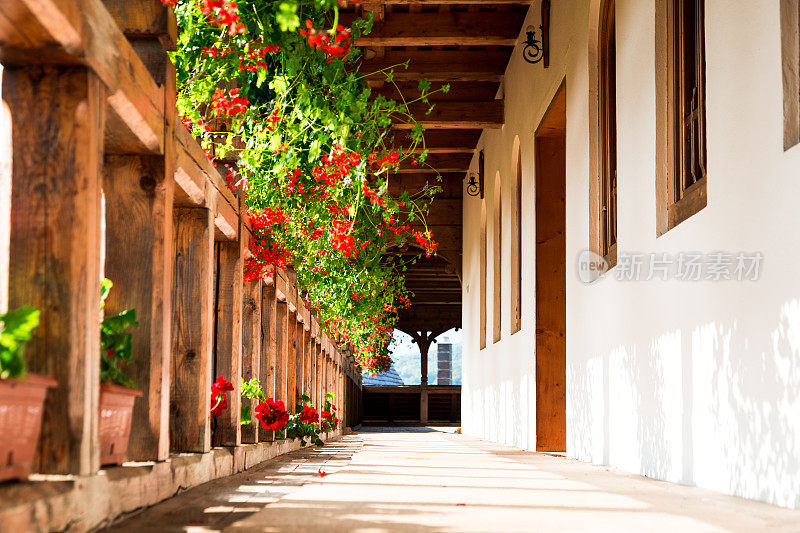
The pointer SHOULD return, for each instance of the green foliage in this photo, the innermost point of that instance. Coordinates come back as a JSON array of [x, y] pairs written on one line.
[[300, 105], [250, 390], [115, 342], [17, 328]]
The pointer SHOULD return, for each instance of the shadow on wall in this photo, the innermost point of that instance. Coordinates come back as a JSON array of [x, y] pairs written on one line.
[[712, 405]]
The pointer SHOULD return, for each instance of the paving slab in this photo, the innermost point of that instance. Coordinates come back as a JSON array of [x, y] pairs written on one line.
[[430, 479]]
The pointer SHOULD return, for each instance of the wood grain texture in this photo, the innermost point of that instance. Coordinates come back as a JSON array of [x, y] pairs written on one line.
[[551, 425], [282, 353], [268, 366], [228, 345], [139, 256], [251, 349], [55, 266], [192, 330], [291, 361]]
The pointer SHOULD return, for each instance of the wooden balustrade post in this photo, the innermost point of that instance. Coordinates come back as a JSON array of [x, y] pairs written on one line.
[[139, 259], [230, 285], [58, 117], [291, 361], [269, 350], [299, 353], [252, 350], [281, 365], [308, 350], [139, 192], [192, 330]]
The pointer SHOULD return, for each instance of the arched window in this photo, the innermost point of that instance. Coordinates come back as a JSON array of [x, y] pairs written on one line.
[[497, 246]]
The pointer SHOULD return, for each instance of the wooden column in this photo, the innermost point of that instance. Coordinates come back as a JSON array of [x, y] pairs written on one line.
[[139, 259], [299, 354], [251, 349], [139, 193], [308, 350], [316, 355], [291, 361], [269, 349], [228, 345], [281, 369], [192, 330], [58, 116]]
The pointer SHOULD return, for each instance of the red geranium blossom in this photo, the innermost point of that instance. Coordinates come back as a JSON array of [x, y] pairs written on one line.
[[219, 400], [272, 414], [309, 415]]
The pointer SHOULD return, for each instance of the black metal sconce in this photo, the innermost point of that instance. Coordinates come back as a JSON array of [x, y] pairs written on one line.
[[475, 183], [535, 50], [473, 187]]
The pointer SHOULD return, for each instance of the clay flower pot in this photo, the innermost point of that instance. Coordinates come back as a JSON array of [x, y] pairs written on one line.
[[116, 413], [21, 409]]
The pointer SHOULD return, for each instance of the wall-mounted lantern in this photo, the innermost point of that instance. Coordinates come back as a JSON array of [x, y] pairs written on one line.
[[536, 50], [473, 187]]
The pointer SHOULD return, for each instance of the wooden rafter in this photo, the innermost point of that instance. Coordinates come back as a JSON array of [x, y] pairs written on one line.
[[455, 115], [443, 29]]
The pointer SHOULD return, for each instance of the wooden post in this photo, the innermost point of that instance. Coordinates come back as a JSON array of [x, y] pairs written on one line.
[[139, 192], [291, 361], [230, 272], [269, 350], [317, 354], [58, 116], [192, 330], [139, 258], [281, 370], [251, 349], [308, 350]]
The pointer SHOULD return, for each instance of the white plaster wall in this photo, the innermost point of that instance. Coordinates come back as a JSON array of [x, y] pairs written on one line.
[[5, 195], [692, 382]]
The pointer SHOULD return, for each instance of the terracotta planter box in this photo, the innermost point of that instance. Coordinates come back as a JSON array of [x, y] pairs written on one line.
[[116, 413], [21, 409]]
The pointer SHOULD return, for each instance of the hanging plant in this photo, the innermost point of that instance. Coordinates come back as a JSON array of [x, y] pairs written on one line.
[[273, 92]]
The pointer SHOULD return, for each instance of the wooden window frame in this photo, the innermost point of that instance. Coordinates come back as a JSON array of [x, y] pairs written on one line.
[[790, 60], [677, 201], [482, 273], [603, 212], [497, 271], [515, 302]]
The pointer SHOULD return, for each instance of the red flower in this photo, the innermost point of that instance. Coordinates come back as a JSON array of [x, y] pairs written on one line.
[[309, 415], [272, 414], [219, 400]]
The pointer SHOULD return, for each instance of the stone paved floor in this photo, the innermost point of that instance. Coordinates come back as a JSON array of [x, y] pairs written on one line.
[[433, 480]]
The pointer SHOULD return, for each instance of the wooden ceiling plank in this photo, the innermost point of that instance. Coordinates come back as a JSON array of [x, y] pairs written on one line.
[[443, 29], [439, 65], [455, 115]]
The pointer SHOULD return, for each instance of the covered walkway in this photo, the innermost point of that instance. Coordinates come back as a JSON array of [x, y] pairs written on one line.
[[415, 479]]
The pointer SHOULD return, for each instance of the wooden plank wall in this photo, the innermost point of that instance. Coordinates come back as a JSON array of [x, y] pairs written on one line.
[[92, 101]]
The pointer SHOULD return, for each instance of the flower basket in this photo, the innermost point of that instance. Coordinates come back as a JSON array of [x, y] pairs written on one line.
[[116, 414], [21, 409]]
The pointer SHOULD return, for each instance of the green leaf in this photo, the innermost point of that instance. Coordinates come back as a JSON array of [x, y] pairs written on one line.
[[17, 329], [424, 85]]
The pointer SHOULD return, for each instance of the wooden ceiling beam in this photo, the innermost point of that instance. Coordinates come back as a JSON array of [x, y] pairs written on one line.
[[439, 65], [476, 91], [366, 3], [452, 185], [440, 141], [455, 115], [437, 163], [443, 29]]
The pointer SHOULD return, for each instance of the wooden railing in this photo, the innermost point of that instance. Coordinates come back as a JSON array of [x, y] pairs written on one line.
[[412, 404], [106, 181]]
